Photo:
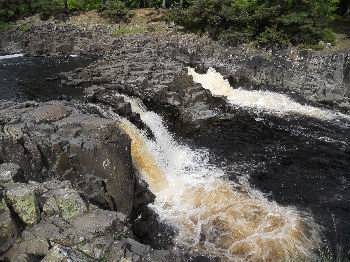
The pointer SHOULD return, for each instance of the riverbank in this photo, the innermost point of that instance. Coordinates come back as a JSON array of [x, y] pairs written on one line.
[[317, 76], [147, 60]]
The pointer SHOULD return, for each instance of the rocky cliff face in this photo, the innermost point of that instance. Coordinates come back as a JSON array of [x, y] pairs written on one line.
[[56, 140], [67, 186]]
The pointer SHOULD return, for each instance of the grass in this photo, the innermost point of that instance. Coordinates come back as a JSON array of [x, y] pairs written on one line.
[[129, 30], [5, 26], [24, 27]]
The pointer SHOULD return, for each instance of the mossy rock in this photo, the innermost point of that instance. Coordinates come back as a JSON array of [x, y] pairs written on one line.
[[70, 205], [23, 199], [50, 207]]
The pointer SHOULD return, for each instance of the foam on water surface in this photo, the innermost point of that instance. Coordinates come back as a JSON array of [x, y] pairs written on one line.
[[278, 104], [214, 216], [10, 56]]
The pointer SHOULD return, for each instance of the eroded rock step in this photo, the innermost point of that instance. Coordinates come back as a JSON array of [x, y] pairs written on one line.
[[68, 190]]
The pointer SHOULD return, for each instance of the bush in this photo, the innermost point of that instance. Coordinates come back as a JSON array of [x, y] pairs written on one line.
[[84, 4], [4, 26], [47, 8], [115, 10], [272, 37], [14, 9], [10, 9]]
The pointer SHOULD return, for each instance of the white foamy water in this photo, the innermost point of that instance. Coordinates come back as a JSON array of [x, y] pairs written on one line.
[[10, 56], [275, 103], [214, 216]]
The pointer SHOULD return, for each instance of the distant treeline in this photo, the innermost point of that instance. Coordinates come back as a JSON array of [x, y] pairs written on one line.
[[265, 22], [14, 9]]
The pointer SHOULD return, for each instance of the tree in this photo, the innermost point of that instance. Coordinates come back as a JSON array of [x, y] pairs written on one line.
[[281, 21], [65, 2]]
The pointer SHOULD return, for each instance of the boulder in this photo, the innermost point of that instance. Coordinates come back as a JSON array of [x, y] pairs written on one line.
[[93, 224], [10, 172], [8, 228], [70, 204], [63, 254], [23, 200], [35, 240], [73, 223], [66, 141]]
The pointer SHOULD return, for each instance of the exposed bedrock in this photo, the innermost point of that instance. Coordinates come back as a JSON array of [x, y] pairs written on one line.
[[147, 63], [57, 140], [66, 228], [60, 140], [68, 190]]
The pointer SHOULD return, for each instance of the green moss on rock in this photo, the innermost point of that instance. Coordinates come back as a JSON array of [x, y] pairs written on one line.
[[22, 198], [71, 205]]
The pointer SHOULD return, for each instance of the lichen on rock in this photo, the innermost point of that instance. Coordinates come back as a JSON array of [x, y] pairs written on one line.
[[22, 198], [70, 204]]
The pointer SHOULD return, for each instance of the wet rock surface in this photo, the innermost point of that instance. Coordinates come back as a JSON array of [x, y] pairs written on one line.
[[74, 142], [149, 62], [68, 190], [57, 140]]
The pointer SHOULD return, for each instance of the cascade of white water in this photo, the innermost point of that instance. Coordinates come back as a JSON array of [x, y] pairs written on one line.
[[214, 216], [275, 103], [10, 56]]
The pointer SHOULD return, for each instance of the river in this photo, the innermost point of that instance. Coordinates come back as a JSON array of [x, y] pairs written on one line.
[[271, 183]]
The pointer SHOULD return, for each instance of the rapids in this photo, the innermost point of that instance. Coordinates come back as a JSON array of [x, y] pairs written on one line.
[[276, 103], [10, 56], [212, 215], [297, 154]]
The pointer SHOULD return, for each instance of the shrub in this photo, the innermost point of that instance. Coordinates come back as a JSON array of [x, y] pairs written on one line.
[[84, 4], [47, 8], [115, 10], [273, 37], [5, 26], [10, 9]]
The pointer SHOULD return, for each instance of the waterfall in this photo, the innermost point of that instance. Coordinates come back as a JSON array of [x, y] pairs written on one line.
[[214, 216], [272, 102], [10, 56]]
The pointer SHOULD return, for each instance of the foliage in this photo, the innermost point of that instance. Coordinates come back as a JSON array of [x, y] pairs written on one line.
[[5, 26], [10, 9], [266, 21], [47, 8], [115, 10]]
